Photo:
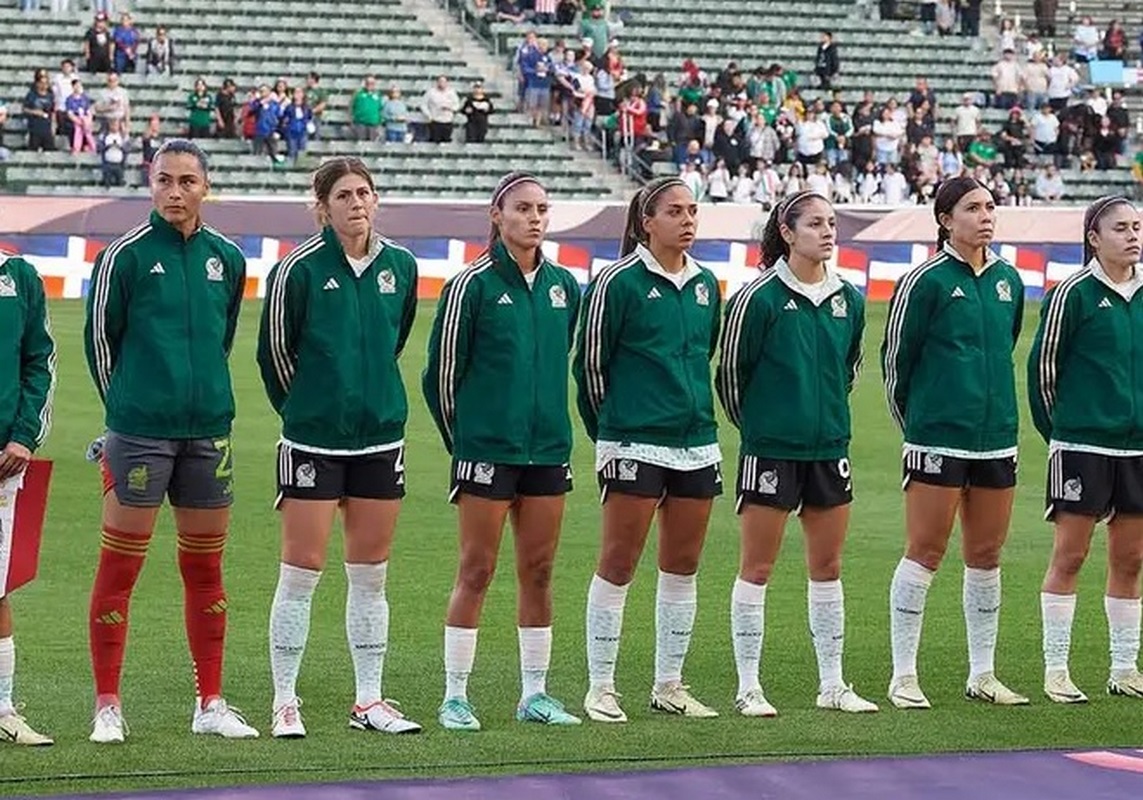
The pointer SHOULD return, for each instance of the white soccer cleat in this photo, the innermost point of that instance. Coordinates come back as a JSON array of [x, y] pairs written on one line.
[[602, 705], [843, 698], [905, 692], [287, 723], [1059, 688], [16, 730], [108, 727], [383, 717], [753, 703], [675, 698], [988, 688], [219, 719], [1126, 683]]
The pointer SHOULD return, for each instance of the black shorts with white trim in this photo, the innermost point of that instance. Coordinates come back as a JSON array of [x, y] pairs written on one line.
[[1093, 485], [304, 475], [508, 481], [638, 478], [792, 485], [937, 469]]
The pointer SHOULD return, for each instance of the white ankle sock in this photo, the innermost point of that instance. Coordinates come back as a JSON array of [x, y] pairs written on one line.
[[290, 628], [535, 657], [605, 603], [459, 656], [1057, 612], [367, 627], [907, 594], [675, 605], [747, 627]]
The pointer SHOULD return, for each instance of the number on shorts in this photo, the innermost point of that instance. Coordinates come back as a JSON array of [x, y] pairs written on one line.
[[399, 462], [225, 468], [845, 471]]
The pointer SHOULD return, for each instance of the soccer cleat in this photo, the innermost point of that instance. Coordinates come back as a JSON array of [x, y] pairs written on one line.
[[905, 692], [602, 705], [843, 698], [1059, 688], [219, 719], [988, 688], [544, 709], [675, 698], [754, 704], [456, 715], [1126, 683], [16, 730], [108, 727], [287, 722], [381, 716]]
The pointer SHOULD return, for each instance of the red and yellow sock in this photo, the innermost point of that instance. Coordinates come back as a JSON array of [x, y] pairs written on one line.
[[121, 558], [200, 563]]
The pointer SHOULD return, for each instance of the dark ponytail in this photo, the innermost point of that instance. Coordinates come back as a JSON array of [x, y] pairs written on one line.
[[1091, 219], [948, 195], [643, 205], [774, 247], [500, 194]]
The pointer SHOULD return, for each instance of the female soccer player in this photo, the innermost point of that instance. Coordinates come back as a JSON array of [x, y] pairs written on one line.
[[642, 368], [27, 382], [338, 312], [161, 316], [496, 384], [1085, 386], [947, 361], [793, 333]]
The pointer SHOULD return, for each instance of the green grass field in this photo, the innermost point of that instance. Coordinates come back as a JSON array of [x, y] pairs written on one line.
[[54, 675]]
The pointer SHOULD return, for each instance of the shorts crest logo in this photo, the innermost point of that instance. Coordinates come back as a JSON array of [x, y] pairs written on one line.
[[213, 269], [483, 473], [7, 286], [1073, 490], [934, 463], [1003, 291], [628, 470], [386, 282], [558, 297], [137, 478], [305, 476], [702, 294], [768, 482], [838, 306]]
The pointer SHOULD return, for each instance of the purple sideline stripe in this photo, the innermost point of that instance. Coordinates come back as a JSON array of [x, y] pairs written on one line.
[[1011, 776]]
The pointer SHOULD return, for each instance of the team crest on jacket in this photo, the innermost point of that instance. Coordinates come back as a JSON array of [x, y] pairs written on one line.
[[1004, 291], [702, 294], [558, 297], [7, 286], [386, 282], [213, 269], [305, 476], [838, 305]]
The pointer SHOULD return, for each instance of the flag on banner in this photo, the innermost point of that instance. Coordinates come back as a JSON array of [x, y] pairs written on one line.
[[31, 503]]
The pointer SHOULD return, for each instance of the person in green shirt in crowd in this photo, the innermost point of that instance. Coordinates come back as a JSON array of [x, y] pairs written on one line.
[[366, 110], [317, 97], [594, 26], [983, 152], [201, 107]]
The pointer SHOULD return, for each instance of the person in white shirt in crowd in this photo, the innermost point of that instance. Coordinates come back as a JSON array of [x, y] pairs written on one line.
[[1034, 77], [737, 111], [694, 180], [1097, 102], [61, 89], [894, 187], [114, 104], [743, 186], [966, 118], [869, 185], [887, 137], [951, 162], [843, 183], [795, 180], [718, 183], [1050, 185], [898, 112], [440, 105], [1033, 47], [812, 134], [1006, 80], [1046, 131], [767, 184], [712, 120], [1085, 40], [819, 181], [762, 139], [1062, 79], [112, 147]]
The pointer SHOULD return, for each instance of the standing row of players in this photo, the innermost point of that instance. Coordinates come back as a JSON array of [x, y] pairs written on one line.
[[162, 312]]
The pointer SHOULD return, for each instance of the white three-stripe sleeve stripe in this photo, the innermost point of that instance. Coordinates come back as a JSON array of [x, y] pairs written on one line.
[[1050, 343], [449, 341], [283, 359], [894, 332], [731, 341], [49, 398], [594, 333], [101, 290]]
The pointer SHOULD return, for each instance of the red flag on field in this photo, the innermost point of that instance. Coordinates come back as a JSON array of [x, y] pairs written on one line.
[[31, 503]]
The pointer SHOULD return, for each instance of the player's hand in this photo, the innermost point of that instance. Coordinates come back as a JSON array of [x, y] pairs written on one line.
[[13, 460]]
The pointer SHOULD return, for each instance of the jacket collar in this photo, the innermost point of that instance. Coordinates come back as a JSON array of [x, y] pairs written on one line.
[[815, 293], [990, 257], [690, 267], [505, 264], [169, 231], [376, 244], [1126, 290]]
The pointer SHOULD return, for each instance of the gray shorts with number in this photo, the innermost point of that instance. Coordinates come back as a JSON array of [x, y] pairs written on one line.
[[193, 473]]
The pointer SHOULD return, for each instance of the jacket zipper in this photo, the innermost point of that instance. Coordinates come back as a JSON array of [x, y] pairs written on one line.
[[983, 319], [361, 356], [818, 323], [189, 332], [535, 366], [684, 363], [1131, 384]]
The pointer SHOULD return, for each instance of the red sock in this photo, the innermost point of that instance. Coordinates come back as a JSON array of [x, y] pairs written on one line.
[[121, 557], [200, 562]]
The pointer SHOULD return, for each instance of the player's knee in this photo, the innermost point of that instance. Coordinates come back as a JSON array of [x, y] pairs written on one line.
[[476, 577], [1068, 564], [826, 569], [758, 574], [928, 556], [535, 573], [1126, 571]]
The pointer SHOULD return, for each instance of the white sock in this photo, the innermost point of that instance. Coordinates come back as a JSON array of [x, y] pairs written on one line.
[[981, 618], [1123, 625], [827, 629], [367, 627], [605, 602], [747, 625], [7, 674], [459, 655], [675, 604], [535, 657], [289, 628], [1057, 612], [907, 593]]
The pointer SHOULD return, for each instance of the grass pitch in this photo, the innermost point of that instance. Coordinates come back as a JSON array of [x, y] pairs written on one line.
[[53, 673]]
